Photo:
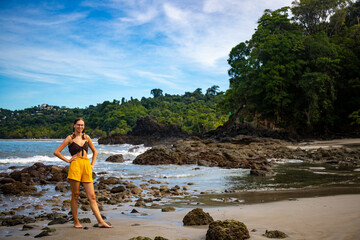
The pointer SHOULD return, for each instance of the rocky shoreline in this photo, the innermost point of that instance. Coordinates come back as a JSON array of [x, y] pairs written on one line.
[[236, 152], [244, 152], [215, 150]]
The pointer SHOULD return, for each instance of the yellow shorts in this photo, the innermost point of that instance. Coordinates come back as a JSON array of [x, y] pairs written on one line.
[[80, 170]]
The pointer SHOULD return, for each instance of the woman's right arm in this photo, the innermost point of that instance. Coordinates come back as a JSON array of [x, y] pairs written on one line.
[[61, 147]]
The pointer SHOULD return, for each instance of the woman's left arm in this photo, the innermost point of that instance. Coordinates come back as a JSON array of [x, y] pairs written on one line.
[[91, 145]]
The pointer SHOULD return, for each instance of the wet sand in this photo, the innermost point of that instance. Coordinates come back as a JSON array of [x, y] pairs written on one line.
[[336, 143], [331, 217]]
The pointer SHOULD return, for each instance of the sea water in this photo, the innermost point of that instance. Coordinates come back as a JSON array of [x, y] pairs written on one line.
[[289, 173], [209, 185], [18, 154]]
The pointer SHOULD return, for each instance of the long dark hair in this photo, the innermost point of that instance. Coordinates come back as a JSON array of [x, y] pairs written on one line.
[[75, 121]]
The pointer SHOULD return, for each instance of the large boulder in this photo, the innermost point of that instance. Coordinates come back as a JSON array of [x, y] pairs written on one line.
[[17, 220], [40, 173], [197, 217], [115, 158], [275, 234], [227, 230], [161, 155], [17, 188]]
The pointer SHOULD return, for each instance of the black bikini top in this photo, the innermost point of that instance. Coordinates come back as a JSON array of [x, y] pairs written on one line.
[[74, 148]]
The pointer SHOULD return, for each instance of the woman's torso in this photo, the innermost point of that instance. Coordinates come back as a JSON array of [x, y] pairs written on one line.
[[78, 147]]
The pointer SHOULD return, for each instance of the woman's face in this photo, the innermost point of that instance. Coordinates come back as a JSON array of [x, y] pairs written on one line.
[[79, 126]]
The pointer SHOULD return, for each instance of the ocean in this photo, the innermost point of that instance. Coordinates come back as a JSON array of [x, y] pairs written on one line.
[[289, 173]]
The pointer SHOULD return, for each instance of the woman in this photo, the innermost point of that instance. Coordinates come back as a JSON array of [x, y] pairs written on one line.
[[80, 170]]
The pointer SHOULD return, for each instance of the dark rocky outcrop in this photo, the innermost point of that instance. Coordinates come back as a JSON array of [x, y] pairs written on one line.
[[40, 173], [212, 153], [17, 188], [160, 238], [42, 234], [161, 155], [168, 209], [17, 220], [140, 238], [244, 152], [59, 220], [275, 234], [197, 217], [147, 131], [115, 158], [227, 230]]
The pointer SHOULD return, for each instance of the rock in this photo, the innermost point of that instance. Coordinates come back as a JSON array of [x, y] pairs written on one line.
[[160, 155], [197, 217], [168, 209], [16, 220], [17, 188], [140, 203], [115, 158], [62, 187], [58, 221], [110, 180], [275, 234], [160, 238], [117, 189], [5, 180], [134, 211], [85, 220], [260, 167], [227, 230], [40, 173], [140, 238], [42, 234], [55, 215], [85, 207], [27, 227], [11, 222], [66, 204], [153, 181], [136, 191]]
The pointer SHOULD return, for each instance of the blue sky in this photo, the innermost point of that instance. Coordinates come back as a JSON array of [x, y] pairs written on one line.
[[80, 53]]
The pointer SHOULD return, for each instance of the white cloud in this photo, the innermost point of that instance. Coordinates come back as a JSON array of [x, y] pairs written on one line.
[[159, 78], [132, 41]]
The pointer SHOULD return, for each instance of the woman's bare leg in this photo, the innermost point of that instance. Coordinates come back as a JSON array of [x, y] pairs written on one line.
[[90, 192], [75, 188]]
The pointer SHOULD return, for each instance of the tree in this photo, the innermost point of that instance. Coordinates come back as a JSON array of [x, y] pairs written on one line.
[[156, 92], [212, 90], [314, 15]]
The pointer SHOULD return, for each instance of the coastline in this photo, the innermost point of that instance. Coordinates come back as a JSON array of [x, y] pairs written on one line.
[[256, 208], [331, 217]]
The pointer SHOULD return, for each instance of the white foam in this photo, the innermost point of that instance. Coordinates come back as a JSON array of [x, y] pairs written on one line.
[[284, 160], [33, 159], [317, 168], [175, 176]]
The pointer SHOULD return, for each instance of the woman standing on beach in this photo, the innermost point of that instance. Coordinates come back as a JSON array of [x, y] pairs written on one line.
[[80, 170]]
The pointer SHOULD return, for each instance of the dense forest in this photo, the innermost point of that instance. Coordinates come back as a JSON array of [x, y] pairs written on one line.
[[194, 112], [300, 73]]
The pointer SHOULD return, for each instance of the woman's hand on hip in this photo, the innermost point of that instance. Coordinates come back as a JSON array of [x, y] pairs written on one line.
[[73, 158]]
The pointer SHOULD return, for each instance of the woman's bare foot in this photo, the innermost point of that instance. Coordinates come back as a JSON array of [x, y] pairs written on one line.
[[77, 225], [104, 225]]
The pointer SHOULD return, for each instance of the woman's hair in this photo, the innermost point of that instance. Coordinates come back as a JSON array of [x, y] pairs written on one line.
[[75, 121]]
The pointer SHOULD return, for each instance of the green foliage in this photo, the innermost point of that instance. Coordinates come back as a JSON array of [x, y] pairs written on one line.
[[356, 117], [193, 112], [301, 73]]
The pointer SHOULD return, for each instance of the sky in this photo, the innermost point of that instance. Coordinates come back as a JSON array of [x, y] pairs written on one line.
[[80, 53]]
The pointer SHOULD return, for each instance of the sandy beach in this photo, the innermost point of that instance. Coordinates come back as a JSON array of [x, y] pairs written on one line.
[[332, 217]]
